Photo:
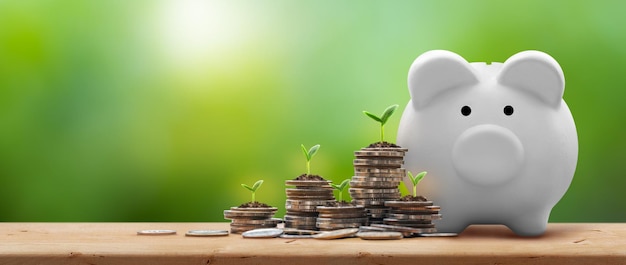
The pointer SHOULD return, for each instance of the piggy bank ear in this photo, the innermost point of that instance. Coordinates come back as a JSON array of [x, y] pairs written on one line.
[[436, 71], [534, 72]]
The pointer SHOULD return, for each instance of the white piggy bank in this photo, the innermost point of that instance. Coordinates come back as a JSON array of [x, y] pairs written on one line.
[[498, 141]]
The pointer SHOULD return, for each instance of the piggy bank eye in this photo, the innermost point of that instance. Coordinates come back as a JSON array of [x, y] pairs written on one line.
[[508, 110], [466, 110]]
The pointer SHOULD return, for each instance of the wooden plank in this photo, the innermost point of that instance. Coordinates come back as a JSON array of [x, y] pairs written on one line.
[[118, 243]]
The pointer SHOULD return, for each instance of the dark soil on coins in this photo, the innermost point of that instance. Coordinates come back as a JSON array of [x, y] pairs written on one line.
[[411, 198], [254, 205], [382, 145], [308, 177], [340, 204]]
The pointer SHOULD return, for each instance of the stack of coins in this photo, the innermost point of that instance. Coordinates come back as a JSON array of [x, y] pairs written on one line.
[[378, 172], [244, 219], [340, 217], [303, 200], [414, 214]]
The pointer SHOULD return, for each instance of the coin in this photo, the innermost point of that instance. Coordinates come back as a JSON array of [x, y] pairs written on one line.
[[369, 202], [378, 162], [262, 233], [308, 183], [414, 217], [206, 233], [249, 215], [340, 209], [295, 236], [408, 223], [290, 231], [372, 191], [370, 178], [331, 226], [371, 229], [342, 215], [379, 235], [408, 204], [397, 149], [254, 209], [272, 221], [302, 193], [308, 202], [405, 229], [341, 220], [156, 232], [336, 234], [373, 170], [438, 234], [382, 196], [374, 184], [378, 153]]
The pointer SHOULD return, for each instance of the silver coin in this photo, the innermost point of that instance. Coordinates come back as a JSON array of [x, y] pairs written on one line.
[[379, 235], [374, 149], [156, 232], [414, 217], [301, 208], [369, 178], [340, 209], [268, 222], [394, 163], [299, 192], [380, 196], [372, 191], [340, 220], [206, 233], [336, 234], [370, 229], [342, 215], [374, 184], [301, 213], [262, 233], [388, 221], [369, 202], [408, 204], [379, 153], [254, 209], [405, 229], [308, 183], [290, 231], [326, 227], [249, 215], [312, 198], [287, 236], [308, 202], [374, 170]]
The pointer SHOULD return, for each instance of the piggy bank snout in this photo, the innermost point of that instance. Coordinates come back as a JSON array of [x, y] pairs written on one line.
[[488, 155]]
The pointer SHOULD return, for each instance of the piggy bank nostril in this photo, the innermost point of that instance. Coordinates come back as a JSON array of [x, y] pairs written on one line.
[[466, 110], [487, 155], [508, 110]]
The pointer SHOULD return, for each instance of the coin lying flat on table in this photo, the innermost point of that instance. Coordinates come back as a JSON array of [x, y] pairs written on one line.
[[373, 235], [336, 234], [156, 232], [262, 233], [206, 233]]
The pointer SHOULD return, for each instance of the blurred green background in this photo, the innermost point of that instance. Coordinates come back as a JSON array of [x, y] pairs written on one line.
[[159, 110]]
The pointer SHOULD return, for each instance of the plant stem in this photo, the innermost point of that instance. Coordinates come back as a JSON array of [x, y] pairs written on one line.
[[414, 190], [308, 167], [382, 133], [340, 196], [253, 196]]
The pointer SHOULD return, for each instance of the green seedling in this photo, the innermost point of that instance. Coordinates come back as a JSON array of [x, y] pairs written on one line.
[[340, 187], [416, 179], [309, 154], [253, 188], [382, 119]]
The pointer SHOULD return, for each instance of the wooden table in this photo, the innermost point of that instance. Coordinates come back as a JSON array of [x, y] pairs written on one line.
[[118, 243]]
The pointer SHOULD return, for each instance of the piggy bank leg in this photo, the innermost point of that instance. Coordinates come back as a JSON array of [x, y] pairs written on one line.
[[533, 224]]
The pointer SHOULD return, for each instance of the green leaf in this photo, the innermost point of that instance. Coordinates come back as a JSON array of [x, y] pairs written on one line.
[[340, 187], [374, 117], [306, 153], [257, 185], [417, 177], [387, 113], [313, 151], [247, 187]]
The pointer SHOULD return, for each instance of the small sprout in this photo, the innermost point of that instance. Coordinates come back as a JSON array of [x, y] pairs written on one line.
[[416, 179], [309, 154], [253, 188], [340, 187], [382, 119]]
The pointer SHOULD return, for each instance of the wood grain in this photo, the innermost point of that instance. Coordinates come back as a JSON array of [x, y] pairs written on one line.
[[118, 243]]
